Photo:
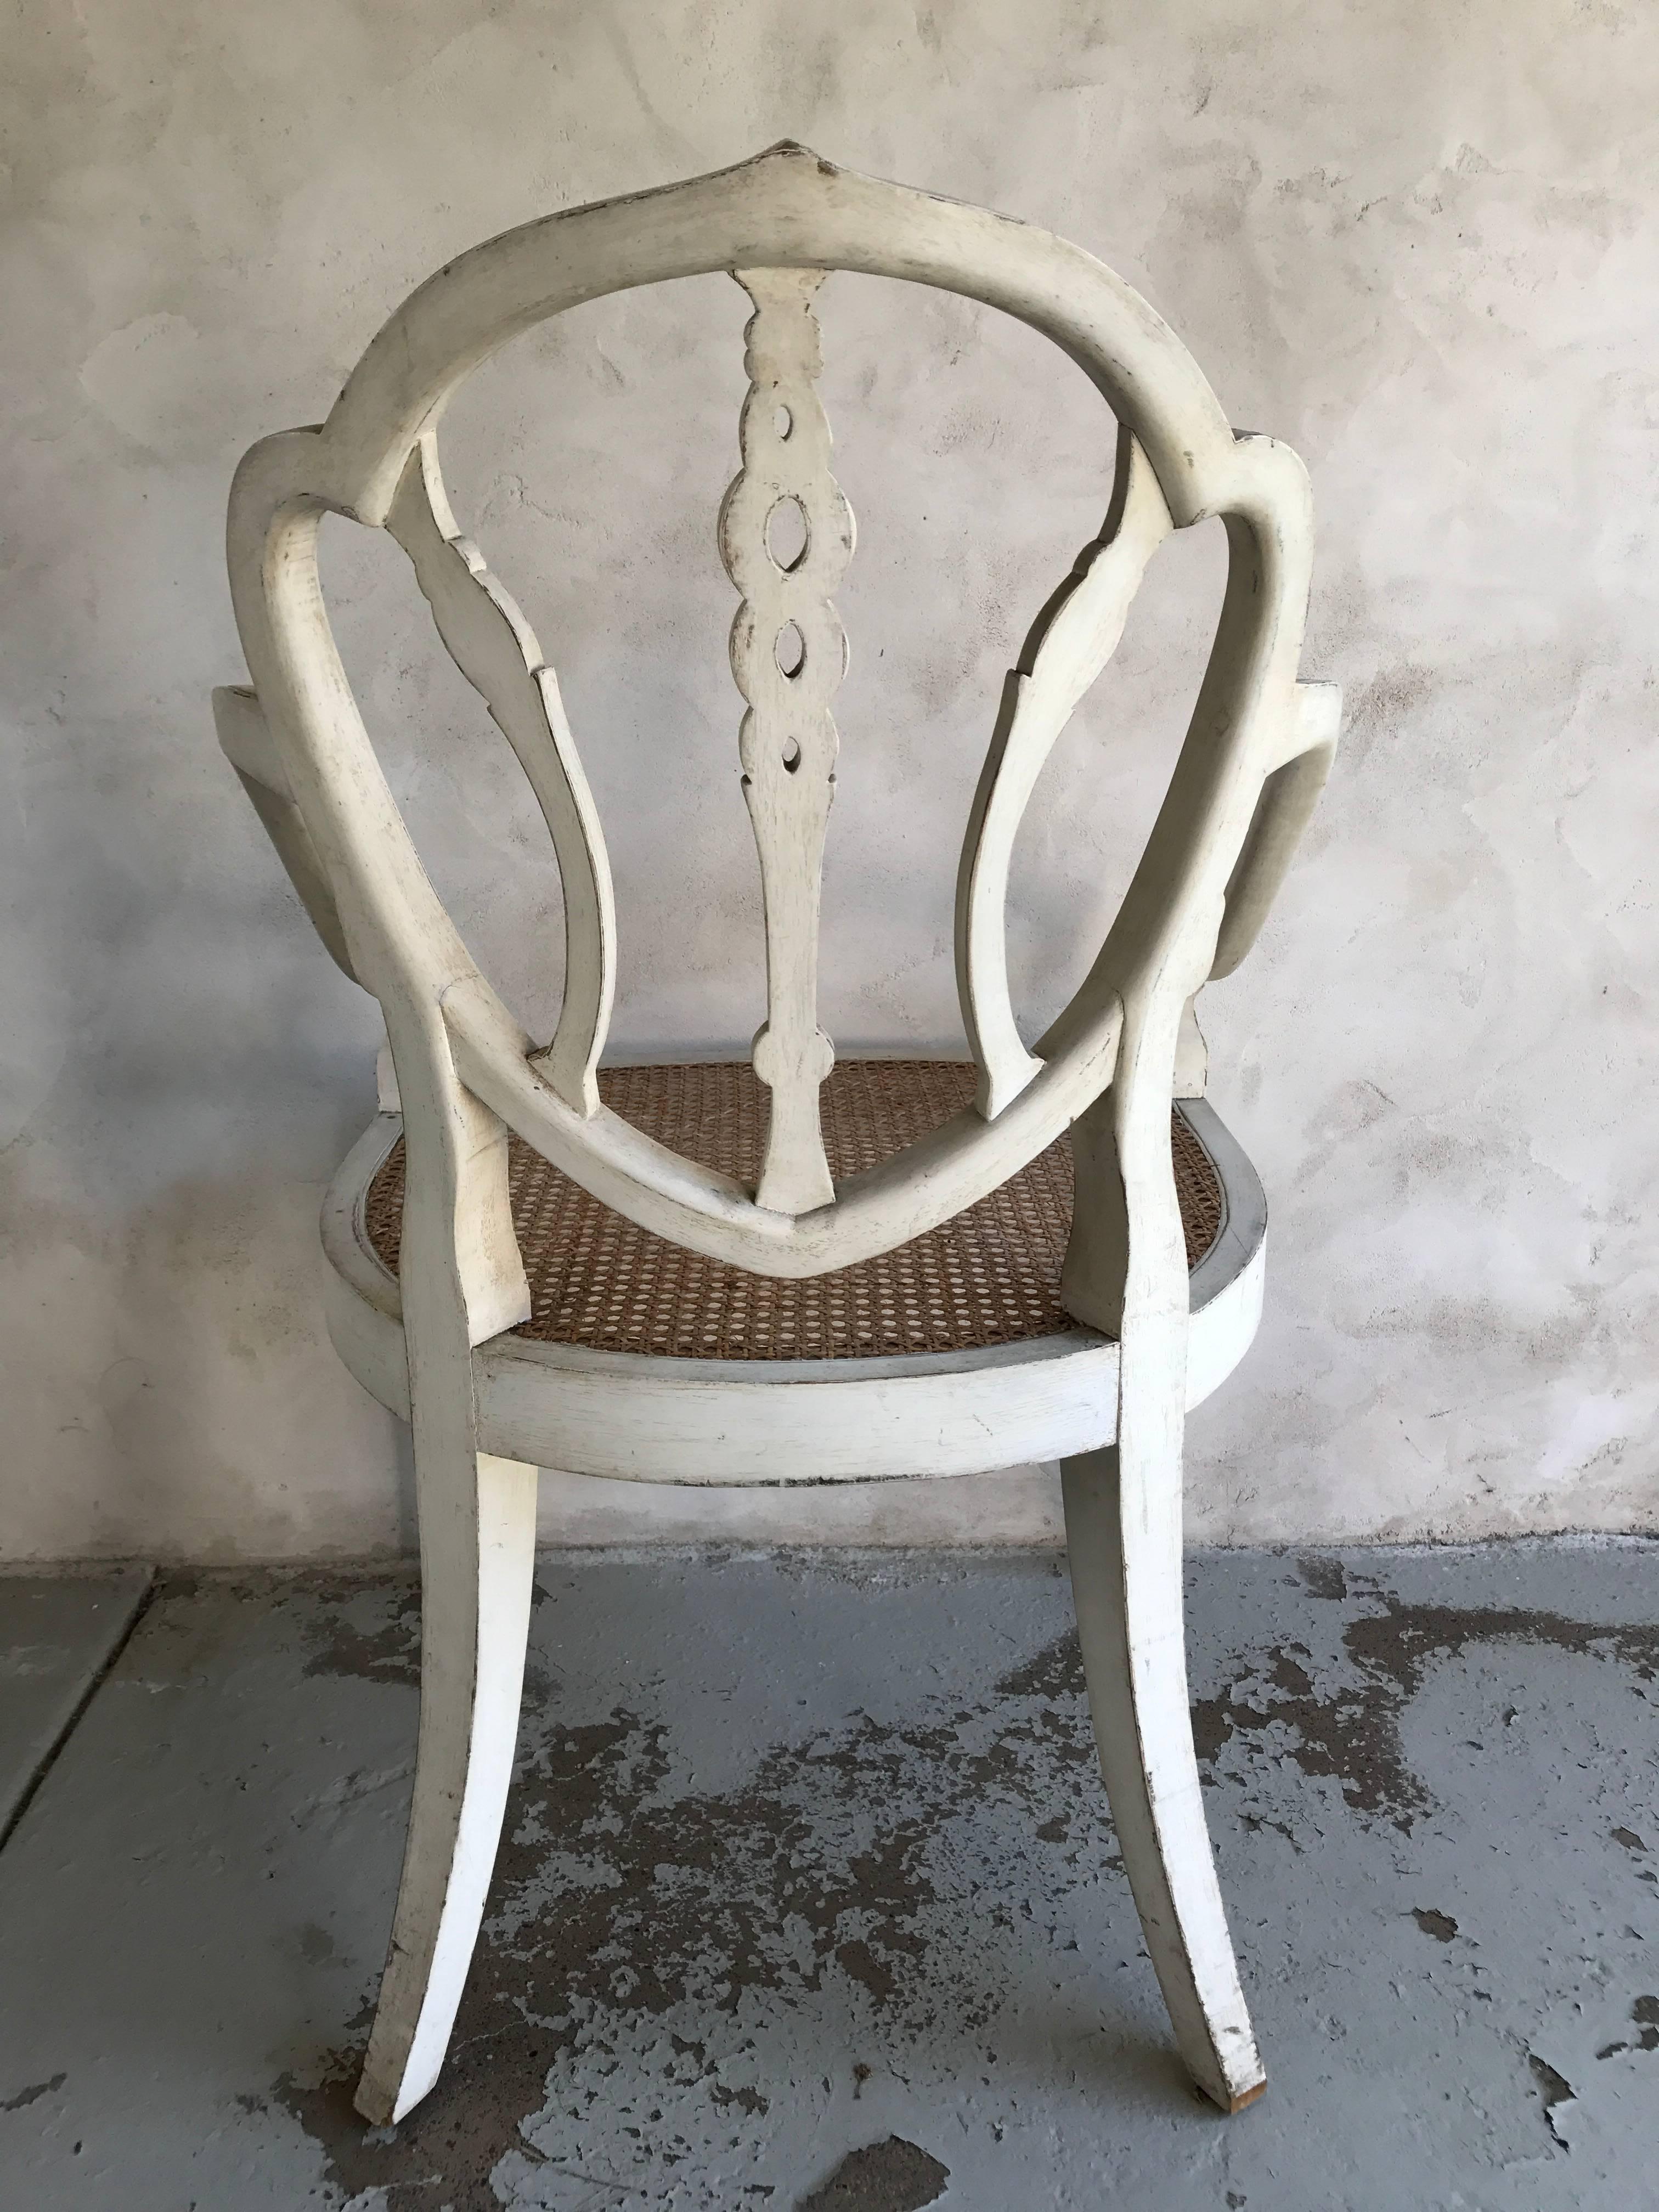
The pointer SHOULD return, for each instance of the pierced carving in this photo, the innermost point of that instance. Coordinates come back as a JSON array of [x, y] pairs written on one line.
[[785, 536], [489, 640], [1069, 643]]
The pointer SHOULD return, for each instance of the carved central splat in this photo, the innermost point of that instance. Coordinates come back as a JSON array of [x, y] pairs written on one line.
[[786, 536]]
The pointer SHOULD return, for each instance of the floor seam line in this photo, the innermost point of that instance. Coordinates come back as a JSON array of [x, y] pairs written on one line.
[[100, 1673]]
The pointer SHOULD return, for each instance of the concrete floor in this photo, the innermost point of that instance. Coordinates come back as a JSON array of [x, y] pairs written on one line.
[[811, 1899]]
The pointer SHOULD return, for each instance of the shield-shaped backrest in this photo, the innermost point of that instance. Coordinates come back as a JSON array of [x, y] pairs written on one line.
[[1246, 778]]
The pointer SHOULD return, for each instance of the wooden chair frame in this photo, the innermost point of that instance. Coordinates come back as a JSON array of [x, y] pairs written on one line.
[[439, 1343]]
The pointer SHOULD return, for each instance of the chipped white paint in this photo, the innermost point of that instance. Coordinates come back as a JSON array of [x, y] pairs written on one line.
[[465, 1074]]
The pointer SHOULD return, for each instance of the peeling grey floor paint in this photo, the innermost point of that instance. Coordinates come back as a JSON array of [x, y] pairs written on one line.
[[894, 2176], [809, 1899]]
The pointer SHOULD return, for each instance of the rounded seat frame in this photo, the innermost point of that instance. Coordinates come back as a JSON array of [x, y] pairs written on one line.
[[485, 1406], [779, 1424]]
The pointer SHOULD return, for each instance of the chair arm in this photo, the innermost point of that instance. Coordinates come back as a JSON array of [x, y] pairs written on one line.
[[245, 741], [1289, 794]]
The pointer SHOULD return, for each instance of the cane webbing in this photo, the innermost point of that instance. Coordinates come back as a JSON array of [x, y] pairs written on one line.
[[990, 1276]]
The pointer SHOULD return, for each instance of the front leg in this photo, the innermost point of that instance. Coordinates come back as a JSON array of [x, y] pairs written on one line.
[[462, 1280], [478, 1555], [1126, 1271], [1123, 1539]]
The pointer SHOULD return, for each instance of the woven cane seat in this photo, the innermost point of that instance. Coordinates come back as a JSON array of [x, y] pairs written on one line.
[[991, 1276]]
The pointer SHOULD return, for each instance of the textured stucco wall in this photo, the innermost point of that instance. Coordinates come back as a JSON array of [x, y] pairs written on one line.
[[1419, 242]]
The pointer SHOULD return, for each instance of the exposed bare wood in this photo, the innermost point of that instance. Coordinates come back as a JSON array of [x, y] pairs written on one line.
[[386, 1095]]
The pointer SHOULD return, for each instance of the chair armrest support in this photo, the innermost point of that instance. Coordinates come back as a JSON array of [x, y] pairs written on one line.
[[1289, 794], [245, 741]]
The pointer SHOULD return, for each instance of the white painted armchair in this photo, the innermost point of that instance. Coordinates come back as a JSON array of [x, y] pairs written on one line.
[[799, 1272]]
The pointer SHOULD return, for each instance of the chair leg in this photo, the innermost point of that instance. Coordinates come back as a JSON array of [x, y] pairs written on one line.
[[477, 1560], [1124, 1545]]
